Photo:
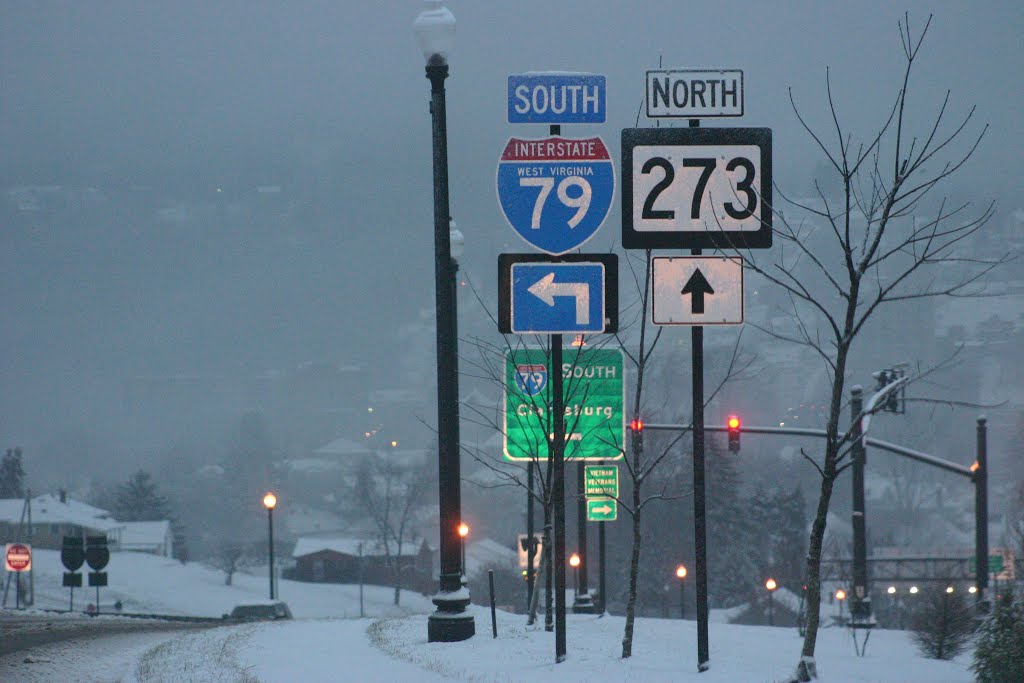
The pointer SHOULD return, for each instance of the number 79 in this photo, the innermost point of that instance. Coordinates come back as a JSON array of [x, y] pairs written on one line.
[[581, 202]]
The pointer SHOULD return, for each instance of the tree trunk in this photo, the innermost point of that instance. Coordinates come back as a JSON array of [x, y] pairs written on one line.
[[634, 570], [806, 669]]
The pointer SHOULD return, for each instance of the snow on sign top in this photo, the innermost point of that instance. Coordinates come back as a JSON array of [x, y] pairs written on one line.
[[556, 97]]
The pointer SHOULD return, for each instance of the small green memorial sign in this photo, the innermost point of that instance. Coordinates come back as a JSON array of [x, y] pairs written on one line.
[[601, 480], [594, 395]]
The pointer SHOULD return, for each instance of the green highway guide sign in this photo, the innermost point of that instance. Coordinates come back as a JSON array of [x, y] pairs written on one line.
[[594, 395], [601, 480], [602, 510]]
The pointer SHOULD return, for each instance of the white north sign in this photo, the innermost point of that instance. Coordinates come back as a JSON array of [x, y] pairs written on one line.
[[697, 290], [694, 93]]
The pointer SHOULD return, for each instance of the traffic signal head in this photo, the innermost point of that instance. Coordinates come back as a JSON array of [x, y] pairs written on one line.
[[733, 425], [636, 424]]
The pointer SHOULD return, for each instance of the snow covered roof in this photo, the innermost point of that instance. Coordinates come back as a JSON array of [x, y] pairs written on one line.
[[137, 534], [487, 552], [343, 446], [48, 509], [307, 545]]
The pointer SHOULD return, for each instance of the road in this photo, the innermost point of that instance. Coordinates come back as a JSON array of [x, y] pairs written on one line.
[[37, 647]]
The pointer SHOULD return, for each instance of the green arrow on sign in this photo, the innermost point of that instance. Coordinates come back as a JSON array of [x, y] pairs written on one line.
[[602, 510], [601, 480], [593, 390]]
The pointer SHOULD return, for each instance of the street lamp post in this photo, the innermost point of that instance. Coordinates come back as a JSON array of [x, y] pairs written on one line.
[[435, 32], [771, 586], [840, 596], [269, 501], [681, 575], [574, 562], [463, 535]]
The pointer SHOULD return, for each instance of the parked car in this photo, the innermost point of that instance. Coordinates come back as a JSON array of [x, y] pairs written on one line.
[[265, 610]]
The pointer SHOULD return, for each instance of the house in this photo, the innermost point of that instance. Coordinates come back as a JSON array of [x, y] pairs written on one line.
[[155, 538], [45, 520], [341, 559]]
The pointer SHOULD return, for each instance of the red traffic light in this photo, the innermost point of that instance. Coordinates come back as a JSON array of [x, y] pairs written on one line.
[[636, 425], [733, 424]]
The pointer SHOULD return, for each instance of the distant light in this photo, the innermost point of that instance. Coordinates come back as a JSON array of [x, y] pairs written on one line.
[[366, 434], [782, 424], [463, 529], [394, 444], [681, 572], [975, 466], [770, 584], [574, 561], [269, 500], [579, 341], [913, 590], [840, 594], [949, 589], [734, 422], [891, 590], [369, 410], [972, 590]]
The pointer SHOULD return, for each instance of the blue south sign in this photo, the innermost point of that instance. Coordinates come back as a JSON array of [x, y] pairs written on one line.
[[556, 192], [556, 98]]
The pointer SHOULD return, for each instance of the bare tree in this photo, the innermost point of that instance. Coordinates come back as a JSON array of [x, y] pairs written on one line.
[[881, 244], [392, 488], [231, 556]]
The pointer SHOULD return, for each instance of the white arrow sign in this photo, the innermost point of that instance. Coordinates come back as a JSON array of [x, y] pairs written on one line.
[[546, 289]]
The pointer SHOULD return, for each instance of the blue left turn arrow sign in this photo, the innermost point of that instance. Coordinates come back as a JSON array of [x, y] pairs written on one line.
[[558, 298]]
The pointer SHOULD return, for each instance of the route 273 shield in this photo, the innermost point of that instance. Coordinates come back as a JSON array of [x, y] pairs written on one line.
[[556, 192]]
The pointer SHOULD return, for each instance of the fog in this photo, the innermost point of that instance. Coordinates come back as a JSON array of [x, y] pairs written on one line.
[[200, 200]]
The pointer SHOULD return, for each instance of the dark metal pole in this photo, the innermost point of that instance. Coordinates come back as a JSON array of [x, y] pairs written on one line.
[[530, 578], [494, 615], [682, 598], [450, 622], [362, 612], [699, 508], [583, 603], [269, 546], [603, 576], [860, 601], [771, 608], [558, 491], [981, 518]]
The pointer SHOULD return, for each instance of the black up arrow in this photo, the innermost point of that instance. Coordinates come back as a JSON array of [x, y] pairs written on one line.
[[697, 286]]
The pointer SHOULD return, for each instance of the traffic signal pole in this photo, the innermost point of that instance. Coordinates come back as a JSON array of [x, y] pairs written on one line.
[[981, 518], [860, 604]]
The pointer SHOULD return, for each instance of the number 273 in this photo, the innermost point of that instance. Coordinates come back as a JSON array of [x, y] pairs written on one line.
[[707, 166]]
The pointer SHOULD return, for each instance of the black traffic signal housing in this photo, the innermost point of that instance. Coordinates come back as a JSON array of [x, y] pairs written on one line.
[[733, 427], [636, 425]]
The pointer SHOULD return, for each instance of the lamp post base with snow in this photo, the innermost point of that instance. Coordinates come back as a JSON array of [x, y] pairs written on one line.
[[435, 30]]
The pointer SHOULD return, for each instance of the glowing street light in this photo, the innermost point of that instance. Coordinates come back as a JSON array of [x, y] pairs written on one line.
[[771, 586], [463, 531], [913, 590], [681, 575], [949, 589], [270, 502], [574, 562]]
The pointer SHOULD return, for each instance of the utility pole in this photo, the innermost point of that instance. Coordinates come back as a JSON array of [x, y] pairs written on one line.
[[981, 518], [860, 604]]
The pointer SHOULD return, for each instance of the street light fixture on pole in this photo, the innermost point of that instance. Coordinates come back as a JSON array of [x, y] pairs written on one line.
[[681, 575], [771, 586], [463, 535], [269, 501], [435, 32], [574, 562]]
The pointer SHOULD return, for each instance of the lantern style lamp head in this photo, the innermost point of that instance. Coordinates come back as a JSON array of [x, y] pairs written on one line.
[[972, 590], [770, 584], [949, 589], [840, 594], [435, 32], [269, 500], [913, 590], [574, 561], [681, 572], [463, 530], [891, 590], [457, 241]]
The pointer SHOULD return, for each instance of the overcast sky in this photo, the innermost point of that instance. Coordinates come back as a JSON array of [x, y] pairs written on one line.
[[253, 92]]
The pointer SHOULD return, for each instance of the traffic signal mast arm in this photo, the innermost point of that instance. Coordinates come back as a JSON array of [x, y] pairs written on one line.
[[910, 453]]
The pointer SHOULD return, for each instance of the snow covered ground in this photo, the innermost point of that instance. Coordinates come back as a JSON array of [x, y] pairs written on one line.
[[147, 583], [393, 647]]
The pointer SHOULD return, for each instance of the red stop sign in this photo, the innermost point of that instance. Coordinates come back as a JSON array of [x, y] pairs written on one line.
[[19, 557]]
